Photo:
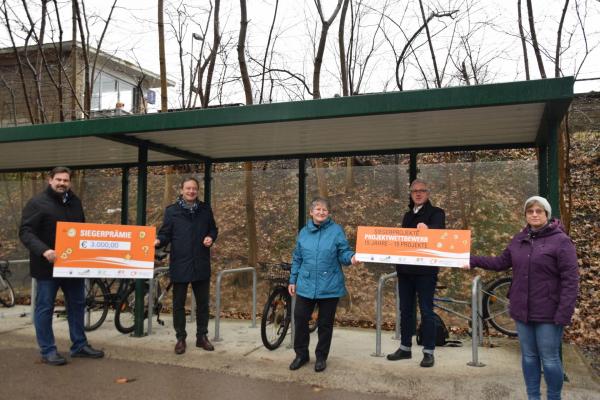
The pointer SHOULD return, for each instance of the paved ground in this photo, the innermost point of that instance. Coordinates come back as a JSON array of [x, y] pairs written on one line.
[[351, 365]]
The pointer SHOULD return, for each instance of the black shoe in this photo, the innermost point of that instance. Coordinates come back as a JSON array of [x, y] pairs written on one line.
[[88, 351], [180, 346], [297, 363], [204, 343], [320, 365], [428, 360], [399, 355], [54, 359]]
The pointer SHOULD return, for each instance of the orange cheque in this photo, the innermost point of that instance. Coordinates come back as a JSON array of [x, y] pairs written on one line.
[[434, 247], [102, 250]]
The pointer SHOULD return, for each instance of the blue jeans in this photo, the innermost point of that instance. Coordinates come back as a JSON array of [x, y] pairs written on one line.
[[540, 345], [423, 287], [74, 291]]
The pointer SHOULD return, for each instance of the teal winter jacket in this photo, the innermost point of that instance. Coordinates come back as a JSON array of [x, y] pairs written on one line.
[[320, 252]]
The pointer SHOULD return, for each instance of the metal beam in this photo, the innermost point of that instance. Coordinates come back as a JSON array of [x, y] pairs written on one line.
[[142, 187], [160, 148], [534, 91], [301, 193], [207, 182]]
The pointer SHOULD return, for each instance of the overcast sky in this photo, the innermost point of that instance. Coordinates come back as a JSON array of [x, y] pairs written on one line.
[[132, 35]]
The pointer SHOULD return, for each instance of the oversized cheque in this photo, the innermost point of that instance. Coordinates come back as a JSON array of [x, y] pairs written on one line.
[[434, 247], [103, 250]]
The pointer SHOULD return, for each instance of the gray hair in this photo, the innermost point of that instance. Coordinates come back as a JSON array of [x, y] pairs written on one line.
[[319, 200], [540, 201], [417, 180]]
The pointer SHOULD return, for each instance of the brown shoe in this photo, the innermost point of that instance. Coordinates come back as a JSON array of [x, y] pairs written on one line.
[[180, 346], [203, 342]]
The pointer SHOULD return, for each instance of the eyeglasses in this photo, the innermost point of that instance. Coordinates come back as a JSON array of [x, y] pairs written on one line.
[[531, 211], [419, 191]]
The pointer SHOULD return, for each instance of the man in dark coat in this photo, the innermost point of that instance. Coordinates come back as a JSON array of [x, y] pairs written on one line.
[[189, 226], [38, 234], [418, 279]]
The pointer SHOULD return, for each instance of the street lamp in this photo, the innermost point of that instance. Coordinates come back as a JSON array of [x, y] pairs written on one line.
[[195, 36]]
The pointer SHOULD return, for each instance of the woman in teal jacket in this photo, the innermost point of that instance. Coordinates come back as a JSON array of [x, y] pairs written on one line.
[[318, 280]]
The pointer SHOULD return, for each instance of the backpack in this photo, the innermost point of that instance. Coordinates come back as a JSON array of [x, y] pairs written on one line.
[[441, 334]]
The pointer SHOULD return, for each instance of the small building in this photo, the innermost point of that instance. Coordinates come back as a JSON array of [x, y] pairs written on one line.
[[46, 83]]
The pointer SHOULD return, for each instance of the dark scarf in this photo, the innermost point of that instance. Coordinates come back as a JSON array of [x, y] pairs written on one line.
[[191, 208]]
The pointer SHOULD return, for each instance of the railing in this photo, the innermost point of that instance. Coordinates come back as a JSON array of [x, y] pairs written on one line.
[[217, 338]]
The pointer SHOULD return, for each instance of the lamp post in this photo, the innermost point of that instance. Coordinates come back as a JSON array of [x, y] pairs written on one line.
[[199, 37]]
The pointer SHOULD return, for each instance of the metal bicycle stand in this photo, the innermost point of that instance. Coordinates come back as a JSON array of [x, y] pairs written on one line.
[[151, 297], [218, 298], [382, 280], [476, 323]]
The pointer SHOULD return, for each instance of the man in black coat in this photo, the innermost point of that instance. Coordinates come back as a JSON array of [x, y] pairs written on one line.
[[417, 279], [189, 226], [38, 234]]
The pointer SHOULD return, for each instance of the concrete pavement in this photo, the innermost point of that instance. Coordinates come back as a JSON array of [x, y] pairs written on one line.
[[351, 365]]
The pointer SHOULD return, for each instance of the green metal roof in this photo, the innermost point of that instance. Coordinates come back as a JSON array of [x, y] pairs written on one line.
[[497, 115]]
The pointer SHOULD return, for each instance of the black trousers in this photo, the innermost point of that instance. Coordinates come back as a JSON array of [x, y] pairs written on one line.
[[201, 291], [423, 286], [302, 314]]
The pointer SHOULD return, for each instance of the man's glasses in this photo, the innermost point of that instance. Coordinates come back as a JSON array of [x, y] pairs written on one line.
[[419, 191]]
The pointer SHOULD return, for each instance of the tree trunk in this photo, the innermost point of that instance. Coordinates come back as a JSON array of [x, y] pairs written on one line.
[[438, 81], [534, 41], [558, 40], [164, 106], [249, 180], [74, 60], [523, 42]]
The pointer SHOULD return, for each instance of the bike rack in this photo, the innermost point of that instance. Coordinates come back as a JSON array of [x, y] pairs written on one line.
[[382, 280], [218, 297], [476, 323], [151, 297]]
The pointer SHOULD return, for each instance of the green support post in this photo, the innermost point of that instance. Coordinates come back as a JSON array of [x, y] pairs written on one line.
[[543, 170], [142, 186], [301, 193], [125, 196], [207, 181], [412, 167], [553, 174]]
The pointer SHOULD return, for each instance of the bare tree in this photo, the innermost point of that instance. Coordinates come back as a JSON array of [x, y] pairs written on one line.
[[534, 41], [523, 41], [161, 57], [248, 174]]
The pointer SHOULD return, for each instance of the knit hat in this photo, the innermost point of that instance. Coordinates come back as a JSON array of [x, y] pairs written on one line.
[[541, 201]]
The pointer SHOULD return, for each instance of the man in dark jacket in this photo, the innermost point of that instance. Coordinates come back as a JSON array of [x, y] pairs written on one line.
[[38, 234], [190, 228], [418, 279]]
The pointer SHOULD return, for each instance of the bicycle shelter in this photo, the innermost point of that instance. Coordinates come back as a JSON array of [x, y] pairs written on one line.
[[496, 116]]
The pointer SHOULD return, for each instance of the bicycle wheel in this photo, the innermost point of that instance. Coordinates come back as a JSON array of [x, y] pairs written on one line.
[[495, 306], [125, 312], [7, 294], [276, 318], [97, 301]]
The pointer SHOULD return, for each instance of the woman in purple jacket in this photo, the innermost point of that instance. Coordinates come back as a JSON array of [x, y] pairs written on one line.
[[543, 293]]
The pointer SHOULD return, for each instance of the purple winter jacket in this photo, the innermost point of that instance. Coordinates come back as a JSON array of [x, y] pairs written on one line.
[[545, 274]]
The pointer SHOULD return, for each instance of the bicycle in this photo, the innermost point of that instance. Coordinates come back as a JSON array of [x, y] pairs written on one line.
[[494, 306], [100, 297], [7, 294], [125, 312], [277, 312]]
